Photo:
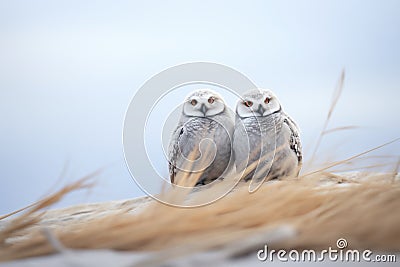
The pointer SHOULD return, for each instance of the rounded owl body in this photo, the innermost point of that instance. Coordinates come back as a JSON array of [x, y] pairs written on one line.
[[266, 140], [201, 143]]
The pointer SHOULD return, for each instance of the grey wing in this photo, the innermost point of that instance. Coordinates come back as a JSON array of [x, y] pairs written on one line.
[[295, 143], [174, 151], [240, 146]]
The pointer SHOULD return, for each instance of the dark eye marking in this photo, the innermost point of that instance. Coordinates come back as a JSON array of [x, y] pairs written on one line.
[[247, 103]]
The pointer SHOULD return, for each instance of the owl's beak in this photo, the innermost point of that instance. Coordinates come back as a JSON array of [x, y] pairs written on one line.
[[261, 110], [203, 109]]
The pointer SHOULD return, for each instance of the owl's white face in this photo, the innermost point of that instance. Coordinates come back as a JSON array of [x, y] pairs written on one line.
[[258, 103], [203, 103]]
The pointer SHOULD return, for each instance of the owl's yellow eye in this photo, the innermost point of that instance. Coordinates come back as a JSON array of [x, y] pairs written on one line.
[[193, 102], [266, 101], [211, 100], [247, 103]]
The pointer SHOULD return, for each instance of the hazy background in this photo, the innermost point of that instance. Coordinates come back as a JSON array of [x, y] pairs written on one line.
[[68, 70]]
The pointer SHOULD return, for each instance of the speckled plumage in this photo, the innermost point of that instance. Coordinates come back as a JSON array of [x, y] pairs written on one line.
[[192, 129], [272, 138]]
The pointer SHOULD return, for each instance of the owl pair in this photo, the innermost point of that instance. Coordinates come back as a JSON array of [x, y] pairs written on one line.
[[261, 142]]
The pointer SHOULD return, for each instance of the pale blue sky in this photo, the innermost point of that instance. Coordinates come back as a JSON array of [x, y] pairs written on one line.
[[68, 70]]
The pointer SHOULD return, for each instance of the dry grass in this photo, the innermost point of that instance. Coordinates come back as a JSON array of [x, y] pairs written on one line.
[[365, 213]]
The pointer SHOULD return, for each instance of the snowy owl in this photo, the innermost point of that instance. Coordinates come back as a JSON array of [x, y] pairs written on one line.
[[201, 143], [265, 136]]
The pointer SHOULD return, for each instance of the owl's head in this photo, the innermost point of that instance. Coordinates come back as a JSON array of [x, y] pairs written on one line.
[[203, 103], [259, 103]]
